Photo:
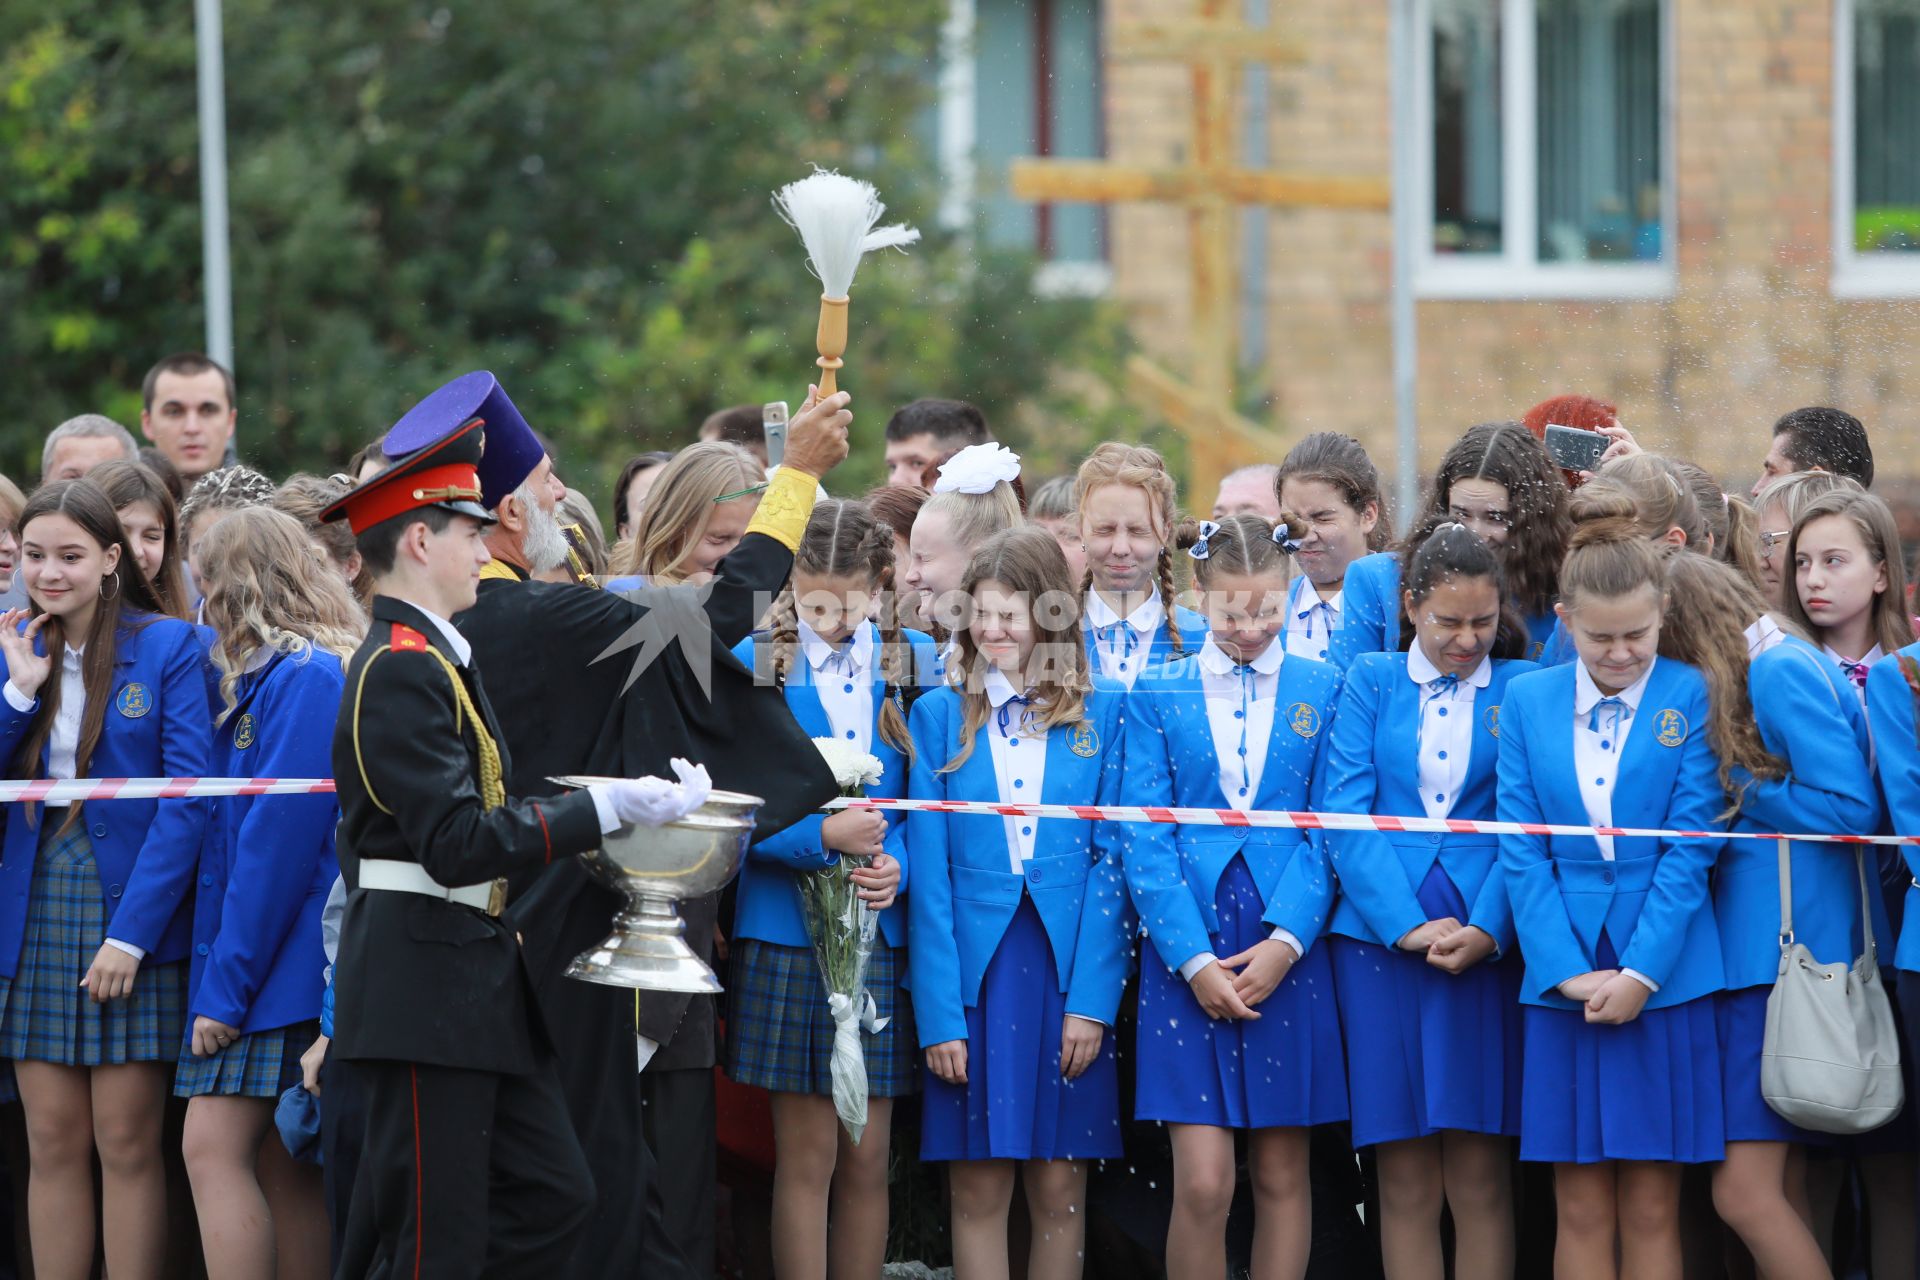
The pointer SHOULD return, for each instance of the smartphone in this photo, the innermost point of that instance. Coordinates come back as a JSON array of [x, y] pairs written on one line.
[[773, 422], [1574, 449]]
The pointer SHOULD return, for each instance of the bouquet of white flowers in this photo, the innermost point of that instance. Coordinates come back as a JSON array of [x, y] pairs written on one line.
[[841, 927]]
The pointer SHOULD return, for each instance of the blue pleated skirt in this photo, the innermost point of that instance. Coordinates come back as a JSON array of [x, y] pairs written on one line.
[[1649, 1090], [1742, 1019], [260, 1064], [1284, 1068], [1428, 1050], [1015, 1104], [45, 1015]]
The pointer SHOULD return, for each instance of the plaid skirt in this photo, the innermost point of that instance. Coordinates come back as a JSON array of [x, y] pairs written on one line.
[[263, 1064], [45, 1015], [780, 1035]]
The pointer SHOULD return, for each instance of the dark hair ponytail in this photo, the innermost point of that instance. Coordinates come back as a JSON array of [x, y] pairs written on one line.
[[1441, 551]]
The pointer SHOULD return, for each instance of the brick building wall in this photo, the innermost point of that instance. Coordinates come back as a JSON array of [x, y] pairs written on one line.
[[1752, 327]]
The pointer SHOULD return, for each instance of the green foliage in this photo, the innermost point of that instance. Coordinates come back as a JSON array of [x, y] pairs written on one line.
[[573, 195]]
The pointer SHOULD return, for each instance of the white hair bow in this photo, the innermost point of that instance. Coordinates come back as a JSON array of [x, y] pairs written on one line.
[[977, 469], [1201, 550]]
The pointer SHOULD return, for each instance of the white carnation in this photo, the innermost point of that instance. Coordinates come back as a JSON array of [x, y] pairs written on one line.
[[853, 769]]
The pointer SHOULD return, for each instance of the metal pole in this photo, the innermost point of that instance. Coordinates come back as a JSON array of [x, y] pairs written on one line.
[[1401, 44], [217, 274]]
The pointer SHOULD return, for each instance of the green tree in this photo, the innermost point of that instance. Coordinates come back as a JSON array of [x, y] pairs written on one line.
[[575, 195]]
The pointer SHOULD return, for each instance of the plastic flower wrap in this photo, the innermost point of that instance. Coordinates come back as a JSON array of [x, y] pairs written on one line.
[[841, 927]]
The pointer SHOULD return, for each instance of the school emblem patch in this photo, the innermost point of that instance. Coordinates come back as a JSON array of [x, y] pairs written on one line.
[[1303, 719], [1084, 743], [1671, 728], [243, 732], [134, 701], [1493, 719]]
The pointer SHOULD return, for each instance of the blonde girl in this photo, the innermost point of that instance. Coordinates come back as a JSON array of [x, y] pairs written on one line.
[[1128, 512]]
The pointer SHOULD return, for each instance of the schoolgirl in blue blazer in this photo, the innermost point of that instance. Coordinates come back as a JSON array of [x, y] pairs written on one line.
[[1422, 932], [1621, 1064], [1498, 481], [98, 685], [1019, 928], [1127, 511], [1237, 1024], [1331, 504], [1893, 712], [845, 679], [1795, 765], [286, 623]]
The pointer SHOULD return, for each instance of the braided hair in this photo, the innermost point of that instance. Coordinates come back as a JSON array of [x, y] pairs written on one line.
[[1141, 468], [842, 539], [225, 489]]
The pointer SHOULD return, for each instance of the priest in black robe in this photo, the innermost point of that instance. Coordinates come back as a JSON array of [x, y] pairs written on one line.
[[590, 682]]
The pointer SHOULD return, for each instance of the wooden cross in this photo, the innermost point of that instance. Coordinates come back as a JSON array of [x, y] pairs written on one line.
[[1209, 187]]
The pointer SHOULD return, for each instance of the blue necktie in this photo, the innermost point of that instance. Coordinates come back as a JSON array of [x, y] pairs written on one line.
[[1856, 672], [1119, 637], [1441, 687], [1320, 607], [840, 661], [1616, 710], [1005, 716]]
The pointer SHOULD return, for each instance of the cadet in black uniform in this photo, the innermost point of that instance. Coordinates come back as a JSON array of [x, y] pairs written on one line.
[[469, 1166]]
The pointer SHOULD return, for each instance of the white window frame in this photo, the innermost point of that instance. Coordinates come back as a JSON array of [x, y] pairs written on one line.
[[960, 160], [1856, 274], [1516, 271]]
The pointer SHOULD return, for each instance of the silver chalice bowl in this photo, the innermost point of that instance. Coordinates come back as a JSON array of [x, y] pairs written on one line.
[[655, 869]]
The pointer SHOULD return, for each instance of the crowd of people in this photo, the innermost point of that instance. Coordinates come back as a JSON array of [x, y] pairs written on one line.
[[1627, 647]]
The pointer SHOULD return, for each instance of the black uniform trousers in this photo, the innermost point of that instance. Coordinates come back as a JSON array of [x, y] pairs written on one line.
[[343, 1127], [464, 1174]]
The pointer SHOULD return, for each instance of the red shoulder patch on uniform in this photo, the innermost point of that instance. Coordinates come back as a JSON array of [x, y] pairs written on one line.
[[406, 640]]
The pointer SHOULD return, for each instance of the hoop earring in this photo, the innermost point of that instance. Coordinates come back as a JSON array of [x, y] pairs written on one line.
[[105, 578]]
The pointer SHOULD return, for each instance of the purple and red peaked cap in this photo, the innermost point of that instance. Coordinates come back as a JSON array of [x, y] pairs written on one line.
[[512, 450]]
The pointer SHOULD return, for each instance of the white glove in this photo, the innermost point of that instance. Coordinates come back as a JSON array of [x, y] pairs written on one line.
[[653, 802]]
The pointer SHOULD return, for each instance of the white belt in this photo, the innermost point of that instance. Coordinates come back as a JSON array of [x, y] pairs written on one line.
[[410, 877]]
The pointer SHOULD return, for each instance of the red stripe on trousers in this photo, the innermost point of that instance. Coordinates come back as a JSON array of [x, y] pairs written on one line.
[[419, 1177]]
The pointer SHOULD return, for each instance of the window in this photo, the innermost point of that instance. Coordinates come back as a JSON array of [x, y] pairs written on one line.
[[1544, 148], [1022, 78], [1876, 148]]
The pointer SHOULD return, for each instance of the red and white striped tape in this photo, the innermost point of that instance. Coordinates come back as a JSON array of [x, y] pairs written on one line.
[[1305, 821], [74, 790]]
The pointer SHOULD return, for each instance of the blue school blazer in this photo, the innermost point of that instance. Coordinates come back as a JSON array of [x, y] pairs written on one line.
[[268, 861], [146, 851], [1896, 748], [1652, 898], [965, 892], [1193, 631], [1173, 872], [1369, 609], [1814, 722], [1372, 767], [768, 901], [1370, 616]]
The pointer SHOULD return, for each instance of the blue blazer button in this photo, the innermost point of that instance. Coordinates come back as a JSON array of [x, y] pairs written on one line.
[[1606, 877], [100, 831], [1033, 874], [1433, 837], [113, 891], [201, 949], [206, 882]]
